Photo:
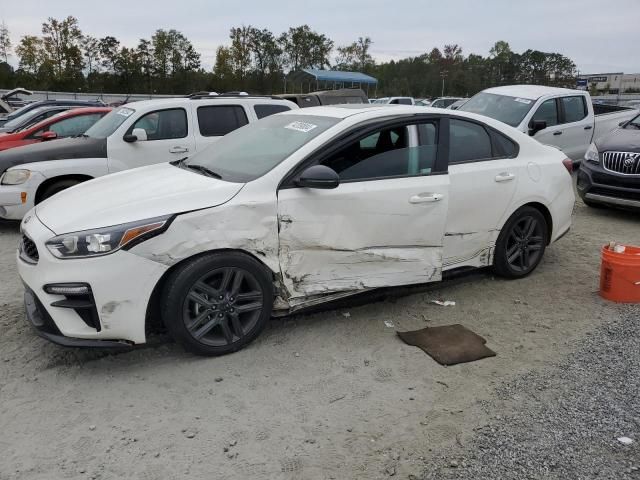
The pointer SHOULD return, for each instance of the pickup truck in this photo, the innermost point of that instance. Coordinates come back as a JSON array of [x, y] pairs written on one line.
[[561, 117], [134, 135], [326, 97]]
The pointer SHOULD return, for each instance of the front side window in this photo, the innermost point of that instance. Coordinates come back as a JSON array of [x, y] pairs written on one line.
[[574, 108], [468, 142], [266, 110], [218, 120], [248, 153], [386, 154], [70, 127], [163, 124], [547, 112]]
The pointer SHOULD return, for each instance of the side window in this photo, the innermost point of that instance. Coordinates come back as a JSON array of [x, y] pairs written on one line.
[[574, 108], [382, 154], [423, 162], [71, 127], [468, 142], [547, 112], [163, 124], [503, 146], [404, 101], [266, 110], [218, 120]]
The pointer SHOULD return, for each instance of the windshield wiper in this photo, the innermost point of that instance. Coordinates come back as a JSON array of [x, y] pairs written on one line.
[[202, 169]]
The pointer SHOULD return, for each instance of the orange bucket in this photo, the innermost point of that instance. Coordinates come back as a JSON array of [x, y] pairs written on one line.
[[620, 275]]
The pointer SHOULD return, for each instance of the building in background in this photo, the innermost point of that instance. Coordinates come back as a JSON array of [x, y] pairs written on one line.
[[616, 83]]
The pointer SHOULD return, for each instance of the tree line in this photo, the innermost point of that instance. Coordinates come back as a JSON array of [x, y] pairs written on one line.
[[256, 60]]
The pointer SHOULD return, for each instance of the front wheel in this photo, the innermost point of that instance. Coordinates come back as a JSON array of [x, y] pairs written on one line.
[[217, 303], [521, 243]]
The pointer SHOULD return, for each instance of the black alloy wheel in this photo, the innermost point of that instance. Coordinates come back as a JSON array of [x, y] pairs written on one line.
[[218, 303], [521, 243]]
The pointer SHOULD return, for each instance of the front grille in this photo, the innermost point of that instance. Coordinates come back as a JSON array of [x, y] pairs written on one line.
[[627, 163], [28, 250]]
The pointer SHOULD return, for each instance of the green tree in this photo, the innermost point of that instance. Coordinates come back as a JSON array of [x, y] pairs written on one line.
[[355, 56], [61, 40], [31, 54], [305, 48]]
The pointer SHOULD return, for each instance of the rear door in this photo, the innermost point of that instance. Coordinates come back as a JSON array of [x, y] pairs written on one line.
[[169, 137], [484, 174], [213, 121], [382, 226]]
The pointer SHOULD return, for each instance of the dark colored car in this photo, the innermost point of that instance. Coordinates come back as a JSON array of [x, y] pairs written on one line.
[[327, 97], [49, 103], [610, 172]]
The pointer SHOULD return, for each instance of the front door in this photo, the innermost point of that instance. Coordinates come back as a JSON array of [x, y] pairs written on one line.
[[169, 138], [382, 226]]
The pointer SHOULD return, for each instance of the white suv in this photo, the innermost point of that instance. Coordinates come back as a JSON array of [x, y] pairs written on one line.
[[134, 135]]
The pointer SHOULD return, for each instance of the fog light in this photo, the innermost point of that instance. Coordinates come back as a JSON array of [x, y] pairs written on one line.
[[67, 289]]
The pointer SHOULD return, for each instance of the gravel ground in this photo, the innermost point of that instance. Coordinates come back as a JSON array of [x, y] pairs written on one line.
[[563, 422], [336, 394]]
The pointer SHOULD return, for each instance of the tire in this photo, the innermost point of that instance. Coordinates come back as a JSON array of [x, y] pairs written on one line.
[[521, 243], [217, 303], [56, 187]]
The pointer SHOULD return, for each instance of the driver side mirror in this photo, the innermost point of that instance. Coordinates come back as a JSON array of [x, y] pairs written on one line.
[[48, 136], [136, 135], [319, 176], [535, 126]]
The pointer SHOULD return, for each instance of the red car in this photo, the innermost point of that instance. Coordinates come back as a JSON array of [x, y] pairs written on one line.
[[65, 124]]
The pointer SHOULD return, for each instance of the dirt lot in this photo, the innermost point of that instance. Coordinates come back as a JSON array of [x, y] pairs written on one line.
[[329, 395]]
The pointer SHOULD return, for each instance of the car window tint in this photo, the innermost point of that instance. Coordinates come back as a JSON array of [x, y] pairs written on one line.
[[218, 120], [385, 153], [423, 162], [503, 146], [467, 142], [70, 127], [266, 110], [163, 124], [547, 112], [574, 108]]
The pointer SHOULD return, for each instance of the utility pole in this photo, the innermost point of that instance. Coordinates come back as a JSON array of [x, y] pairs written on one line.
[[443, 75]]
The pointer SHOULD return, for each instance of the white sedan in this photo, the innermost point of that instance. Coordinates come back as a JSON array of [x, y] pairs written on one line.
[[298, 208]]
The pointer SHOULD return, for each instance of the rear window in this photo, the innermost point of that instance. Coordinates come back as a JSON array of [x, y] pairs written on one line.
[[503, 146], [575, 108], [266, 110], [218, 120]]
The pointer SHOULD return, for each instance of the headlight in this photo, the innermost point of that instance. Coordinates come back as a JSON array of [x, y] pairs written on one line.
[[592, 154], [15, 177], [103, 241]]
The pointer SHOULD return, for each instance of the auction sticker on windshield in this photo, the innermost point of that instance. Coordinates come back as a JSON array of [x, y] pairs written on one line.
[[125, 112], [301, 126], [523, 100]]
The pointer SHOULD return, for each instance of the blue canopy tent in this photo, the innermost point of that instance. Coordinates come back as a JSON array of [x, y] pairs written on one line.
[[314, 79]]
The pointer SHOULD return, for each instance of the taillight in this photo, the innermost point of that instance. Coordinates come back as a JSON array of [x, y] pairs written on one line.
[[568, 163]]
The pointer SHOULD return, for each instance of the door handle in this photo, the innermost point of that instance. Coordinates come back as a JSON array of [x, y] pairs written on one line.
[[588, 127], [178, 150], [505, 177], [557, 133], [426, 198]]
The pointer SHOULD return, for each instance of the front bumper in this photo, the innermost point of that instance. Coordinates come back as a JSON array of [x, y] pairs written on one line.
[[597, 185], [121, 286], [17, 200]]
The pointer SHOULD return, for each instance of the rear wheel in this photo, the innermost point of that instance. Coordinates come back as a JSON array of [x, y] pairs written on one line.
[[218, 303], [56, 187], [521, 243]]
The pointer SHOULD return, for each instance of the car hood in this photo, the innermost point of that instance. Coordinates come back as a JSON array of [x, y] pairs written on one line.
[[64, 148], [620, 140], [133, 195]]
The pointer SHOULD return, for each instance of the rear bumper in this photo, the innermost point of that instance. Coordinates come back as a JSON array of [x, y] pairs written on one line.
[[597, 185]]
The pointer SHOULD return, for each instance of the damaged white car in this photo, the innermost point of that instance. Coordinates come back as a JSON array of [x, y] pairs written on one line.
[[298, 208]]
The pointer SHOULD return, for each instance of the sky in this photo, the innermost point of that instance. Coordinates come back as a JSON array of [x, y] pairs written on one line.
[[598, 35]]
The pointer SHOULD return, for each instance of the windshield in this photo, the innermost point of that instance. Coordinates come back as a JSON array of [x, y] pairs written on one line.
[[109, 123], [251, 151], [510, 110]]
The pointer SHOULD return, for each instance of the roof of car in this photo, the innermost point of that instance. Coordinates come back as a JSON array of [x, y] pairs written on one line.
[[201, 99], [530, 91]]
